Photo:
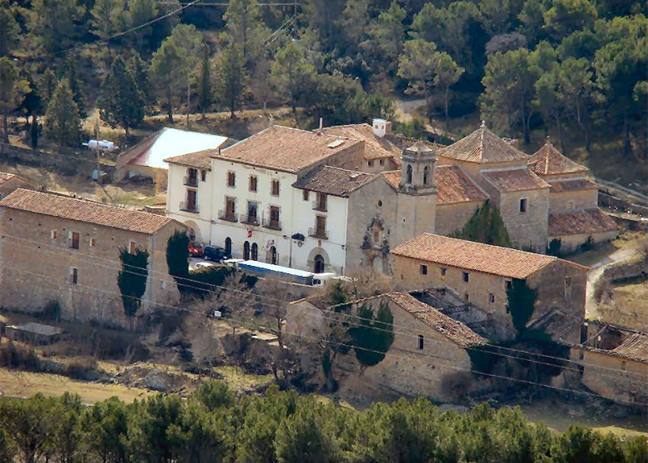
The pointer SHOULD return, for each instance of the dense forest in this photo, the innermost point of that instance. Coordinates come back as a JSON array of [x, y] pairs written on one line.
[[215, 425], [577, 69]]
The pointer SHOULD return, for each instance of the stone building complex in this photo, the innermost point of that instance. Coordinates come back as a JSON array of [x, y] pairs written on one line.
[[57, 249], [338, 199]]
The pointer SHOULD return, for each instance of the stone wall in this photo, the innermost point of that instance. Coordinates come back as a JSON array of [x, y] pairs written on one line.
[[527, 230], [452, 217], [573, 200], [616, 378], [38, 262], [572, 243]]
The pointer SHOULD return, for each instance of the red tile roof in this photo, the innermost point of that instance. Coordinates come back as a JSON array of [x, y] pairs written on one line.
[[5, 177], [81, 210], [515, 180], [285, 149], [454, 186], [333, 180], [549, 161], [478, 257], [483, 146], [583, 222], [375, 147], [392, 177], [452, 329], [199, 160]]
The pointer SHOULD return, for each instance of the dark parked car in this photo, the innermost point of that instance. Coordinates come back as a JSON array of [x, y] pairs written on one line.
[[215, 253]]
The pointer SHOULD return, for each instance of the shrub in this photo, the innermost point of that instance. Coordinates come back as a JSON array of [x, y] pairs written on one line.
[[20, 356]]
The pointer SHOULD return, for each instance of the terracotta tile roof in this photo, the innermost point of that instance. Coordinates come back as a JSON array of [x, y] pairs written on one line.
[[470, 255], [375, 147], [199, 160], [5, 177], [549, 161], [634, 347], [454, 186], [81, 210], [515, 180], [284, 148], [452, 329], [483, 146], [564, 186], [333, 180], [581, 222], [392, 177]]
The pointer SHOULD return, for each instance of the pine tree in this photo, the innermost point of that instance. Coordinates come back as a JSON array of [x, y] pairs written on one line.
[[485, 226], [230, 77], [12, 89], [132, 279], [292, 74], [204, 83], [120, 101], [245, 29], [9, 31], [63, 124], [520, 304], [71, 74]]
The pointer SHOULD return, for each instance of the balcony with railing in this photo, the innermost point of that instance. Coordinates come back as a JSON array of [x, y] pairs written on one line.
[[189, 207], [319, 233], [191, 180], [249, 219], [272, 224], [229, 216], [319, 205]]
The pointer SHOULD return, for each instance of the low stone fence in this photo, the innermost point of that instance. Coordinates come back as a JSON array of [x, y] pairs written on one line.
[[71, 163]]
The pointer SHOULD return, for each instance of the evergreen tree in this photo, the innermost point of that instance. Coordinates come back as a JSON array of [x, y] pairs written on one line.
[[447, 74], [372, 335], [139, 70], [520, 304], [418, 65], [292, 74], [132, 279], [9, 31], [120, 101], [177, 257], [245, 30], [71, 74], [12, 90], [54, 24], [485, 226], [63, 124], [108, 17], [204, 83], [230, 77], [387, 33]]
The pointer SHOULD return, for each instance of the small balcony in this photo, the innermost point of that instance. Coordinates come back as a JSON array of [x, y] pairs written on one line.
[[319, 205], [189, 207], [191, 181], [271, 223], [318, 233], [226, 215], [249, 219]]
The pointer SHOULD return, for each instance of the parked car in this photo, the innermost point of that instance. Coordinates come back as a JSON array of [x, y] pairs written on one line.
[[195, 250], [215, 253]]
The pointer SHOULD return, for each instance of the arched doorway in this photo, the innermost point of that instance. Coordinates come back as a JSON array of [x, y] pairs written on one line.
[[255, 252], [228, 246], [246, 250], [318, 264], [272, 255]]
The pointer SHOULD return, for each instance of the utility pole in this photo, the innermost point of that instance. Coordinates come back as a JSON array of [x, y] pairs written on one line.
[[188, 98]]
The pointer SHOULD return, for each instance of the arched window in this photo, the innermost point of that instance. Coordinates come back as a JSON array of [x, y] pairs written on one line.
[[409, 174], [318, 266], [228, 246], [246, 250], [255, 252], [272, 253], [426, 175]]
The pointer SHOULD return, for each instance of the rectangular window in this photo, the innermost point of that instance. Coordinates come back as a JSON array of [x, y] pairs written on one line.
[[203, 175], [466, 277], [274, 218], [305, 195], [444, 271], [191, 200], [423, 269], [275, 188], [321, 202], [253, 183], [421, 342], [230, 207], [523, 205], [491, 298], [74, 275], [370, 163], [93, 242], [382, 162], [231, 179], [252, 212], [192, 177], [53, 234], [568, 287], [132, 247], [74, 240]]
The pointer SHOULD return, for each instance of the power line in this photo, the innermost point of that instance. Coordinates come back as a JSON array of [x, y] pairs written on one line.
[[351, 346], [193, 284]]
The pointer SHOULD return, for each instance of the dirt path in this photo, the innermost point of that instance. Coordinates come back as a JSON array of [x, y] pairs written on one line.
[[595, 274]]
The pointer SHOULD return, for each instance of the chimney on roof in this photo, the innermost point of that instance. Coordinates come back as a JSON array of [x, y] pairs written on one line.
[[483, 124], [381, 127]]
